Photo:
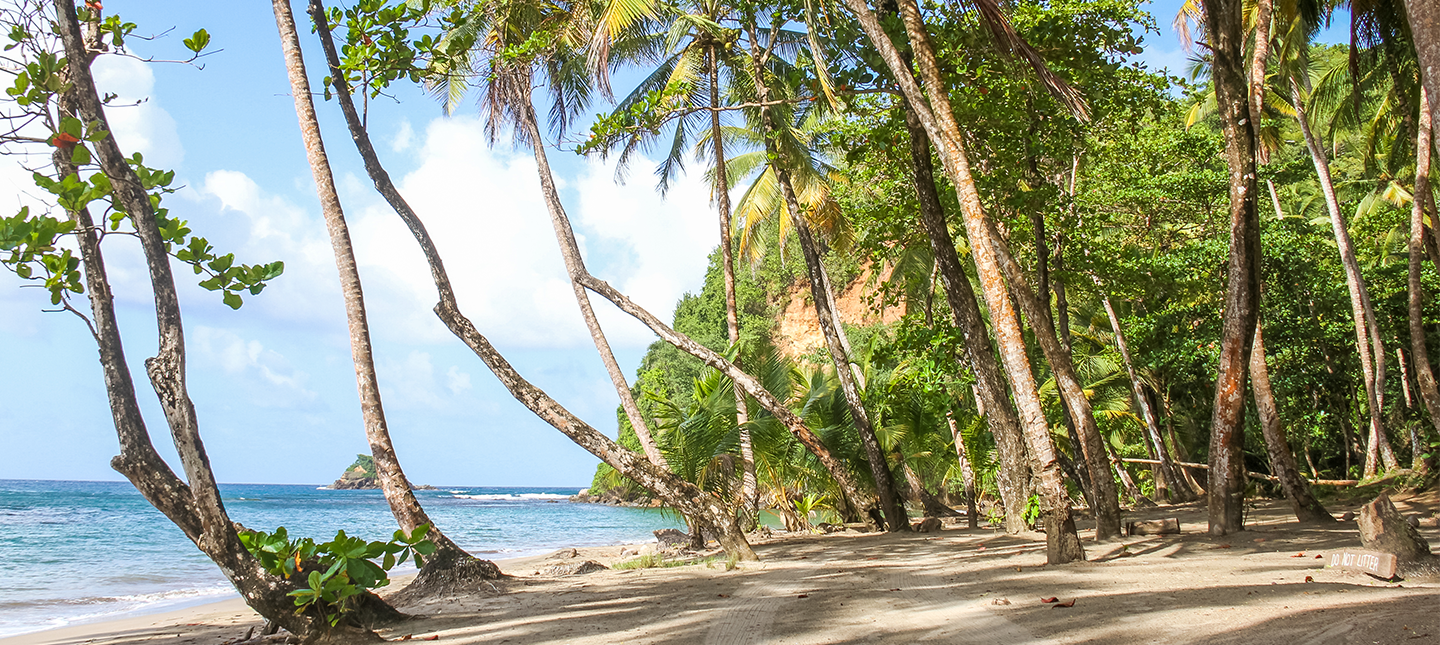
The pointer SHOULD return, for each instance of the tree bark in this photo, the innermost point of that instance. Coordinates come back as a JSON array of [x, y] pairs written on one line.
[[823, 297], [1223, 26], [749, 489], [1282, 458], [1424, 18], [967, 472], [1062, 543], [195, 507], [990, 388], [1167, 481], [396, 487], [1259, 56], [1419, 353], [1104, 497], [1367, 332]]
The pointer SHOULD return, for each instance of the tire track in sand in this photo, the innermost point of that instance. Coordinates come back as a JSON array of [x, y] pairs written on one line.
[[756, 602], [939, 616]]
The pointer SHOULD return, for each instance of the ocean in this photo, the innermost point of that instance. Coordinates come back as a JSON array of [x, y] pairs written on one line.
[[73, 552]]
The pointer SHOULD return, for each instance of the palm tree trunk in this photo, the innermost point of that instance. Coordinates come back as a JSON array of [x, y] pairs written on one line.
[[1419, 353], [749, 493], [1260, 54], [1223, 22], [967, 472], [1062, 543], [393, 482], [1367, 333], [1103, 494], [1282, 459], [830, 325], [1167, 482], [451, 567], [1424, 18], [990, 388]]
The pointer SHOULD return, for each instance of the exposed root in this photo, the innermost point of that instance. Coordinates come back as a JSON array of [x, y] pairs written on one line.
[[449, 575]]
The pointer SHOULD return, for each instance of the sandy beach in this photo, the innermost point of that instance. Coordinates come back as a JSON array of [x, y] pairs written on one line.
[[955, 586]]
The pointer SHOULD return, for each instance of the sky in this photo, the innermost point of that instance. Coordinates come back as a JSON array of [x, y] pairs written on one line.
[[273, 382]]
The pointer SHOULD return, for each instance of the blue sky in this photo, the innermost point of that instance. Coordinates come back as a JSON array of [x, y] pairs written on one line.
[[273, 382]]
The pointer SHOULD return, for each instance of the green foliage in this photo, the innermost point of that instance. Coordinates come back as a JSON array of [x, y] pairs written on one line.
[[337, 571]]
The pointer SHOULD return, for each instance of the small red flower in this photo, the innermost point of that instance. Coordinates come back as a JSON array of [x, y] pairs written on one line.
[[64, 140]]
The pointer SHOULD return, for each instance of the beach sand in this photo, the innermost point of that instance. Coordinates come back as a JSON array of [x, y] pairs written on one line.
[[955, 586]]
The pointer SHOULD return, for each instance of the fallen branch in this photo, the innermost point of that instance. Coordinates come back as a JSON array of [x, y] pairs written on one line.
[[1258, 476]]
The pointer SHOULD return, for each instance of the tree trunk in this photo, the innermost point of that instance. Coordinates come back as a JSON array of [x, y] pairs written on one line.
[[680, 495], [1223, 22], [749, 491], [1282, 459], [990, 388], [1178, 450], [195, 507], [1259, 56], [967, 472], [1062, 543], [1424, 18], [1104, 497], [396, 487], [823, 296], [1167, 481], [1367, 333], [713, 512], [1419, 353]]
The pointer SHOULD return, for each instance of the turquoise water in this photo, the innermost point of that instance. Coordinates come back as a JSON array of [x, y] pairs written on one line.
[[75, 552]]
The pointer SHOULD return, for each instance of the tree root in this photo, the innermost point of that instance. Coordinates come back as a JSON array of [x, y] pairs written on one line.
[[448, 575]]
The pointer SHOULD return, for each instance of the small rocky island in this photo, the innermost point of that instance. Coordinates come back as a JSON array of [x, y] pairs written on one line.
[[361, 475]]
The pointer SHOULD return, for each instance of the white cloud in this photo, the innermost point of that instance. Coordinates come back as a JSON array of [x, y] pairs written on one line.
[[272, 228], [658, 247], [403, 137], [484, 209], [243, 360], [146, 128], [457, 380]]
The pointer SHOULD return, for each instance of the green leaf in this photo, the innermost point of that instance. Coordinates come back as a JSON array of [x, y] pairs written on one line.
[[198, 41], [232, 299], [80, 156]]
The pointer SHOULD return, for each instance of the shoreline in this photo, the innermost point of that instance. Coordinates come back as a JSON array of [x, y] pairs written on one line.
[[1263, 586], [228, 608]]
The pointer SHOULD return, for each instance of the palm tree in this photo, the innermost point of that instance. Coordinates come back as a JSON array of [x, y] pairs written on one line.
[[1419, 353], [761, 54], [933, 109], [1425, 29], [696, 60], [679, 494], [551, 33], [1368, 340], [407, 510]]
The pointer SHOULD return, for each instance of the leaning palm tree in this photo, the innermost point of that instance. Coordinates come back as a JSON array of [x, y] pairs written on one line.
[[681, 495], [695, 54], [933, 110], [773, 99], [1368, 340], [398, 493], [508, 44]]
